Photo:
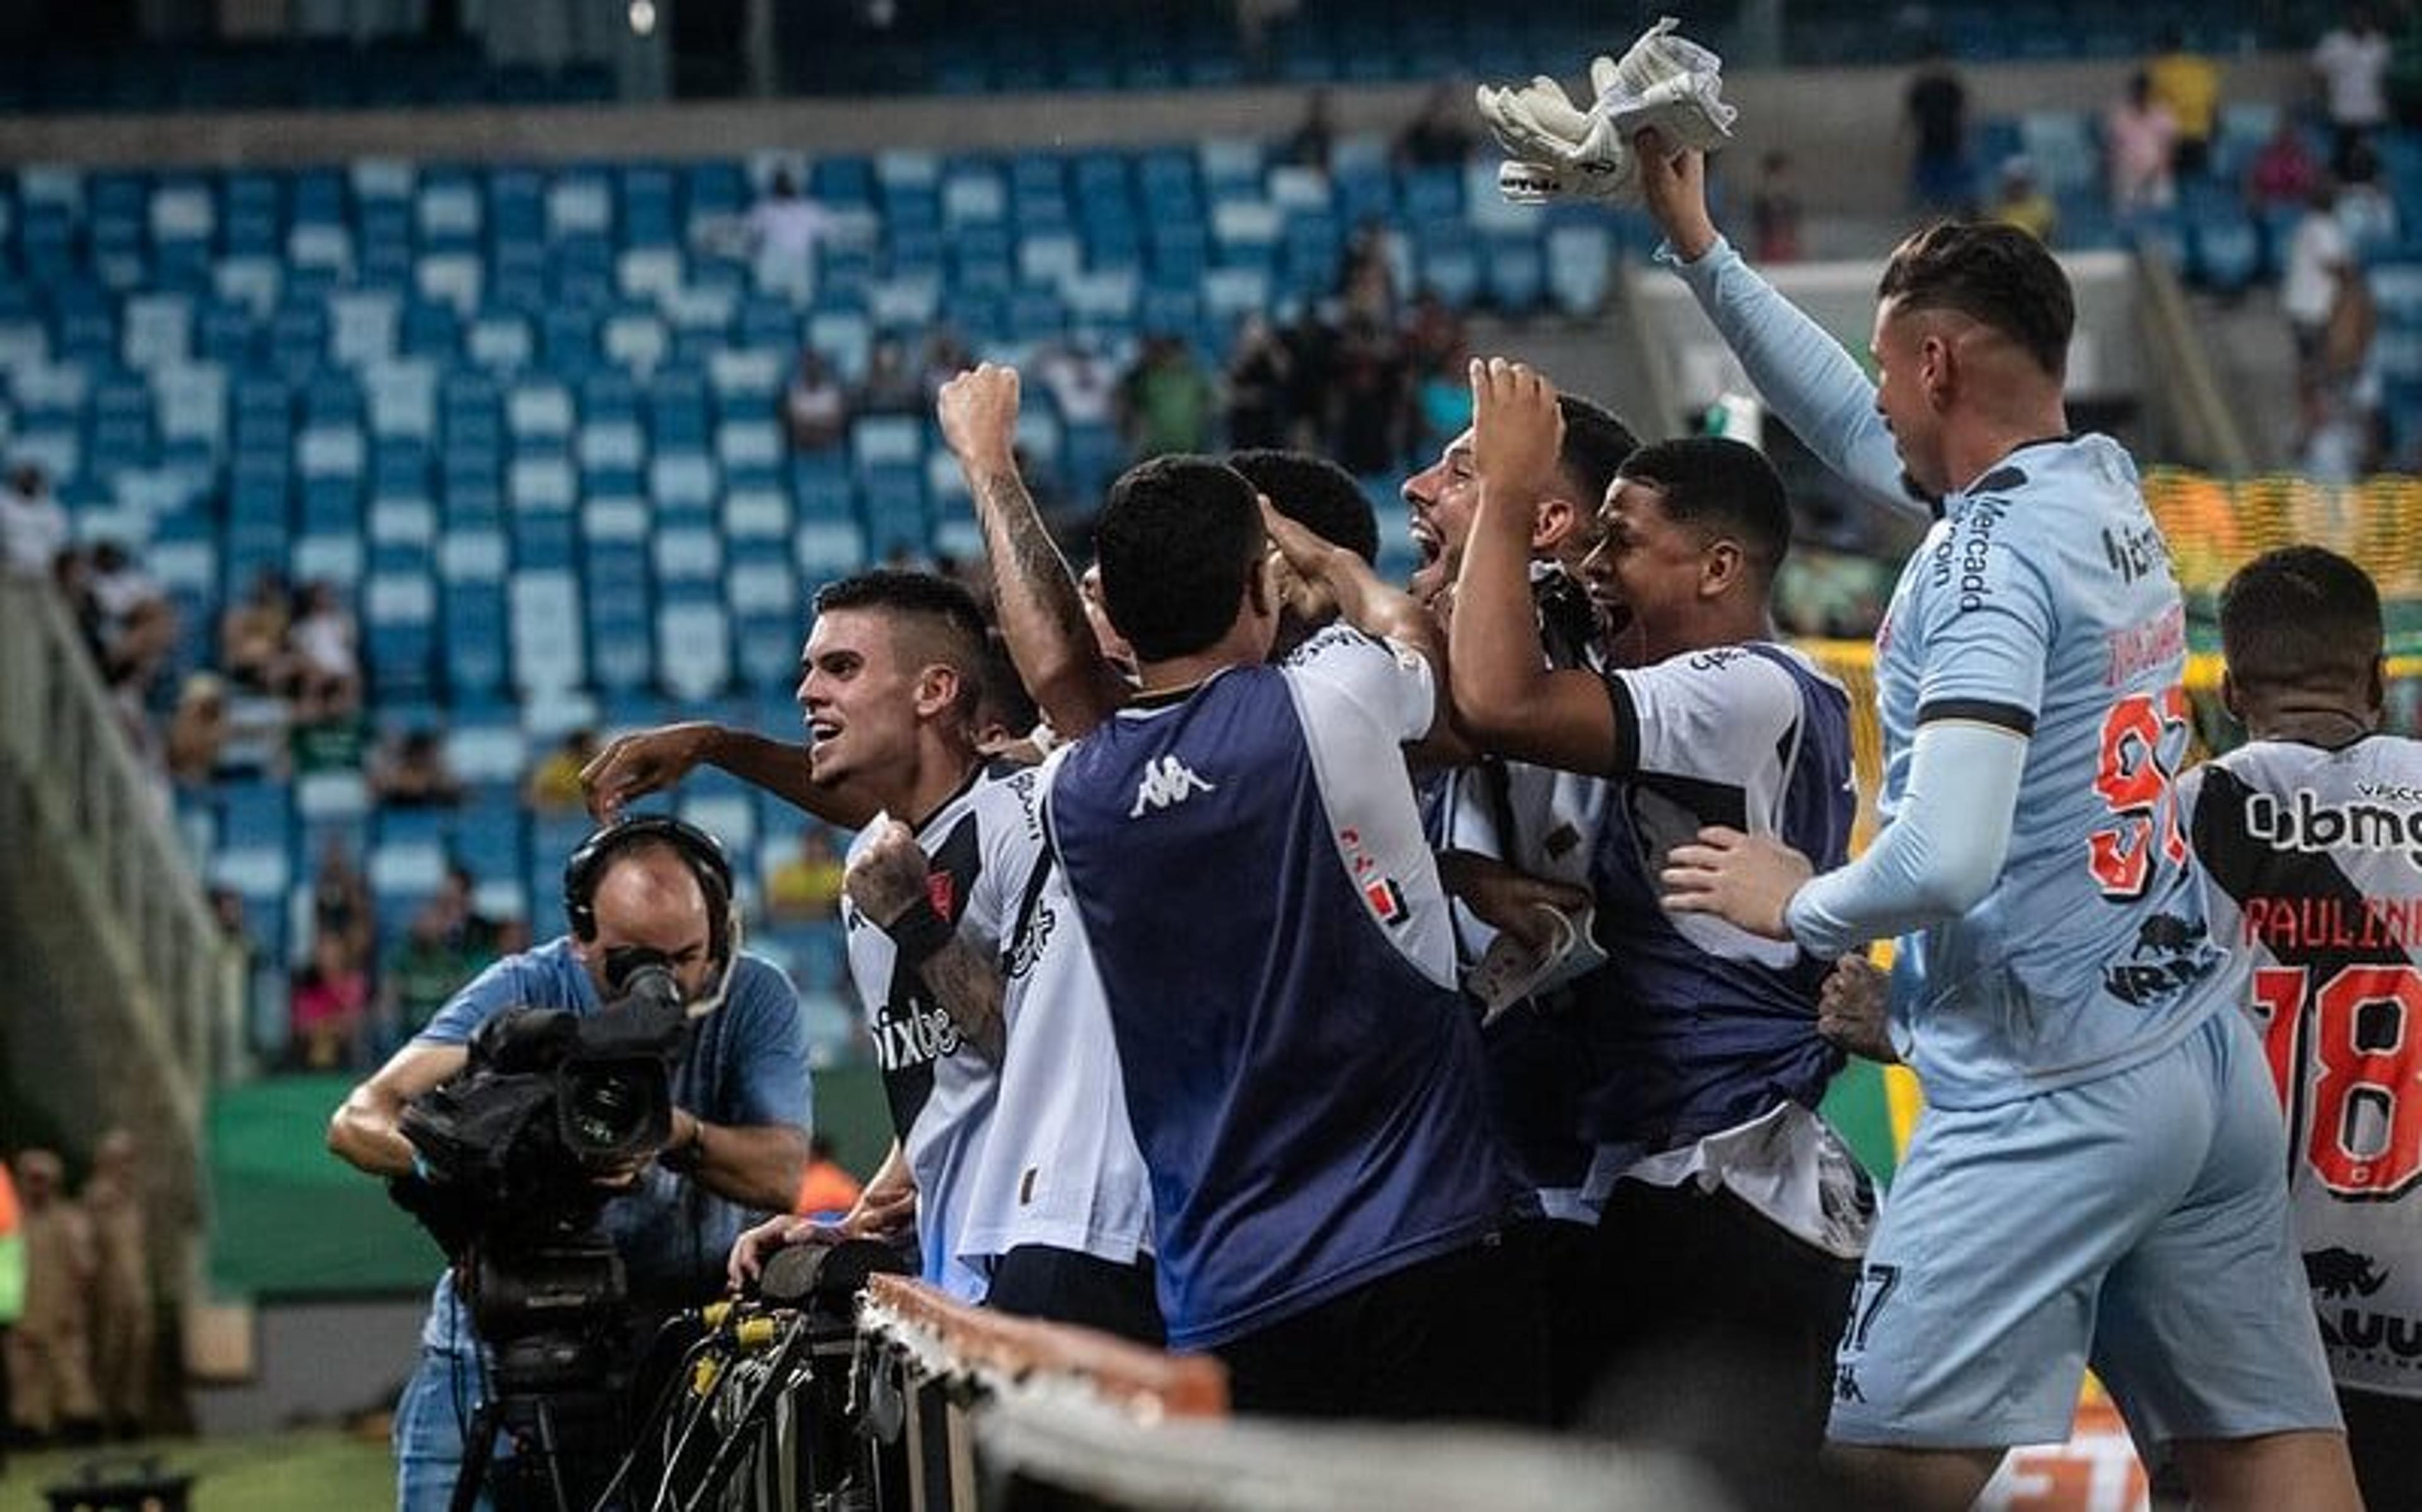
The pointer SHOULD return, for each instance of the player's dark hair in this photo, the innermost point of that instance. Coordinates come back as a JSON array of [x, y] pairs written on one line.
[[1992, 272], [1005, 701], [1178, 541], [1720, 487], [1596, 443], [1315, 493], [2300, 617], [938, 609]]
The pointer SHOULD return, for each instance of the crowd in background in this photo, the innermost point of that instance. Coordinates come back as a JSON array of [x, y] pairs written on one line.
[[79, 1347]]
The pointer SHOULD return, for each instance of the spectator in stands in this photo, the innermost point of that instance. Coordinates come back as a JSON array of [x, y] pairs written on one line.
[[1366, 279], [807, 887], [1257, 386], [474, 933], [327, 1005], [2022, 202], [1166, 401], [1369, 395], [49, 1351], [2351, 60], [324, 639], [2139, 136], [1440, 135], [815, 407], [341, 899], [2187, 84], [328, 732], [890, 386], [554, 786], [252, 635], [1308, 144], [198, 730], [786, 225], [1312, 359], [1934, 117], [424, 969], [122, 1325], [410, 771], [137, 624], [1775, 211], [1082, 387], [2284, 170], [946, 357], [33, 526], [2363, 208], [1433, 332], [2320, 266], [12, 1296]]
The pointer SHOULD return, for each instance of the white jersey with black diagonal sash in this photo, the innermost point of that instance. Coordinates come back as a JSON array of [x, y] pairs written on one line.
[[940, 1089], [2313, 867]]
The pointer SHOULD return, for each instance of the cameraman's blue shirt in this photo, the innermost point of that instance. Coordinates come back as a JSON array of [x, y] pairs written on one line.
[[746, 1063]]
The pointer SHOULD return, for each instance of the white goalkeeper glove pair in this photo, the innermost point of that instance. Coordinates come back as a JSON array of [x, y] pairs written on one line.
[[1555, 149]]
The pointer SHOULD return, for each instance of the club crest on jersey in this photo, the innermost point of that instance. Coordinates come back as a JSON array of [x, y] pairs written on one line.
[[1379, 890], [943, 894], [1166, 782]]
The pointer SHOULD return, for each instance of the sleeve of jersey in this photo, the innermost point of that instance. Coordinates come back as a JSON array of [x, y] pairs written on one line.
[[1813, 384], [1989, 628], [770, 1083], [1712, 715], [1390, 683], [1936, 859], [504, 985]]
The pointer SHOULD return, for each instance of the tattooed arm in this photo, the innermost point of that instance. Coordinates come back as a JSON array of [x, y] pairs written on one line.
[[1033, 592], [886, 882]]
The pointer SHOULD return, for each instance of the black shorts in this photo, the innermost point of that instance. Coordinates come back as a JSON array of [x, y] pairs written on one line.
[[1456, 1336], [2385, 1433], [1720, 1327], [1070, 1286]]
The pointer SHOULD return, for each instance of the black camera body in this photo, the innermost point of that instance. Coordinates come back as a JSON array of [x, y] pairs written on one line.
[[513, 1148]]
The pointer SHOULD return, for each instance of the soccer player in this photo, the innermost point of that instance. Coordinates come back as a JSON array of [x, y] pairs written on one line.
[[2099, 1175], [1735, 1212], [1245, 858], [2310, 836], [942, 901]]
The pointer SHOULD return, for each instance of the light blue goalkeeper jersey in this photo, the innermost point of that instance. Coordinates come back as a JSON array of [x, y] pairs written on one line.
[[2041, 602]]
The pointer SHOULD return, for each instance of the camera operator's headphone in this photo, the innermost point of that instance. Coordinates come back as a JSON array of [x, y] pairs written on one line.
[[701, 851]]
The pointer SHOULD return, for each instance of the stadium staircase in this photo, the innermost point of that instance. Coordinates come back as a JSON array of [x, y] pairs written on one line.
[[124, 998]]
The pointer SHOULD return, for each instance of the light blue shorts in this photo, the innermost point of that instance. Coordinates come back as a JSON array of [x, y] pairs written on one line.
[[2138, 1223]]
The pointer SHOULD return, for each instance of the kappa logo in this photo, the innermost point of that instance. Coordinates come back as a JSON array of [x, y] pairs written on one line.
[[1166, 783]]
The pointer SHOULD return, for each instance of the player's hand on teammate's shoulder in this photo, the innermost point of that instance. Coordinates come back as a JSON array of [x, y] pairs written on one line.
[[633, 766], [1746, 879], [1851, 1009], [978, 411], [1517, 430]]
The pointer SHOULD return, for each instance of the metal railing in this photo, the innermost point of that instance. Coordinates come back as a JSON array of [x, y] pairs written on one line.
[[108, 829]]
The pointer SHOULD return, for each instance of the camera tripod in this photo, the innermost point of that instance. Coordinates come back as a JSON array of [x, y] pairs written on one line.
[[557, 1428]]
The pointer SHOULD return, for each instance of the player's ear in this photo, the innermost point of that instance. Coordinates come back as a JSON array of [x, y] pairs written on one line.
[[938, 688], [2228, 699], [1721, 566], [1553, 522], [2376, 696]]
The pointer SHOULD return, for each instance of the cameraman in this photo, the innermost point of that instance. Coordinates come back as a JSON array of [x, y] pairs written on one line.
[[739, 1137]]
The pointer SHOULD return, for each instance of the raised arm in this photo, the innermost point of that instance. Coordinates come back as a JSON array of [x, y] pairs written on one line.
[[1813, 384], [1507, 702], [652, 760], [1034, 595]]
